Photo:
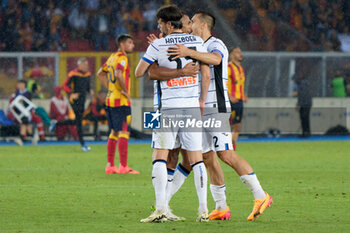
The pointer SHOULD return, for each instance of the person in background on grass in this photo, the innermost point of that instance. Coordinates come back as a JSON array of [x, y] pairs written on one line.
[[77, 86], [236, 80], [114, 76], [303, 92]]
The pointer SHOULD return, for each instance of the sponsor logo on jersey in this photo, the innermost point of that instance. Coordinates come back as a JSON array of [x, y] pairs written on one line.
[[180, 82]]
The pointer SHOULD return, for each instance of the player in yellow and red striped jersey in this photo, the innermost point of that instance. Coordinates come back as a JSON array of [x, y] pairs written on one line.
[[236, 79], [114, 75]]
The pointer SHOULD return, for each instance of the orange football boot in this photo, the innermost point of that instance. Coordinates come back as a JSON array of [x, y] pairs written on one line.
[[220, 214], [126, 170], [259, 207], [111, 169]]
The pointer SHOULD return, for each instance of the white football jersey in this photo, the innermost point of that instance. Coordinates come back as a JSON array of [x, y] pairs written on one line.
[[217, 96], [176, 92]]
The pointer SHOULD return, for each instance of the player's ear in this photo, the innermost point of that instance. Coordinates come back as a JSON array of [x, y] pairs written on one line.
[[168, 24]]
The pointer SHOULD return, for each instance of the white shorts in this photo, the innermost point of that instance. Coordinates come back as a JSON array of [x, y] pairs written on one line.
[[218, 141], [177, 143], [175, 136]]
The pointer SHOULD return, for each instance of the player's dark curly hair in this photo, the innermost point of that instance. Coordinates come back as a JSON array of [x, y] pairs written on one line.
[[122, 38], [171, 14]]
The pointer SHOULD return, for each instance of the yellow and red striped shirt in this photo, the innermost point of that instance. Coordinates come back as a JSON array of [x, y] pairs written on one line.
[[117, 61], [236, 79]]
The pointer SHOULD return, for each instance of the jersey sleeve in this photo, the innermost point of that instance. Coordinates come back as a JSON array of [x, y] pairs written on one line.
[[151, 54], [217, 47], [104, 67], [201, 49], [67, 83], [122, 62]]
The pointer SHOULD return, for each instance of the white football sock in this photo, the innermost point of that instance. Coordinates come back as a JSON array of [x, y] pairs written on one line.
[[179, 178], [159, 180], [200, 181], [253, 184], [170, 174], [219, 195]]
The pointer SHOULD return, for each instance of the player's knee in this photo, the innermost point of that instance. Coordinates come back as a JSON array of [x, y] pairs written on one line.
[[123, 134], [186, 165], [227, 157]]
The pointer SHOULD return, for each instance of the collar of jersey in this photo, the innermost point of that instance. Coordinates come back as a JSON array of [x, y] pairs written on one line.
[[208, 39], [176, 33]]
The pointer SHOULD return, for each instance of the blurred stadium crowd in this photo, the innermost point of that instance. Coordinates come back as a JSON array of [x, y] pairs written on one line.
[[88, 25], [289, 25]]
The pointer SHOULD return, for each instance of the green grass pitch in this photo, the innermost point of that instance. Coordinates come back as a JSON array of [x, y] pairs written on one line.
[[61, 189]]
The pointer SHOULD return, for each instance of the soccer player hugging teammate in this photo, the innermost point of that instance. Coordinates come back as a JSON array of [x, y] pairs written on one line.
[[176, 97], [161, 73], [218, 103], [114, 75]]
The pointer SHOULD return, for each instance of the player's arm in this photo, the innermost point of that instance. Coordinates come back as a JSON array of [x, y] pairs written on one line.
[[205, 71], [66, 86], [150, 57], [141, 68], [229, 86], [213, 58], [102, 76], [156, 72], [120, 80]]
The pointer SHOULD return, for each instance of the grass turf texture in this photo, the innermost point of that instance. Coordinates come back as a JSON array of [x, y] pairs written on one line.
[[61, 189]]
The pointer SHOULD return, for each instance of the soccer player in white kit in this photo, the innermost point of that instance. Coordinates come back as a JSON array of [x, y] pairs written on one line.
[[218, 103], [179, 93]]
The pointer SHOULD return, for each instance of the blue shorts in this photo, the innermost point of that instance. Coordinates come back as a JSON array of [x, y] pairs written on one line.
[[119, 118], [237, 112]]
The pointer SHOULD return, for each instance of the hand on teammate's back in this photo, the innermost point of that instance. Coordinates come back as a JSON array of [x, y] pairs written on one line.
[[179, 51], [152, 37], [190, 69]]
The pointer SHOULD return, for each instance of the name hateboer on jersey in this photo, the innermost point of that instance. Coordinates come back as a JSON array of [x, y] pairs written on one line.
[[177, 92]]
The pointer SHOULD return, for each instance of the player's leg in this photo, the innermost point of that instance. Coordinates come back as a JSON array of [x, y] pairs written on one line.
[[192, 143], [111, 147], [219, 142], [181, 173], [78, 108], [217, 187], [237, 127], [248, 177], [173, 158], [159, 181], [162, 142], [123, 141], [112, 141]]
